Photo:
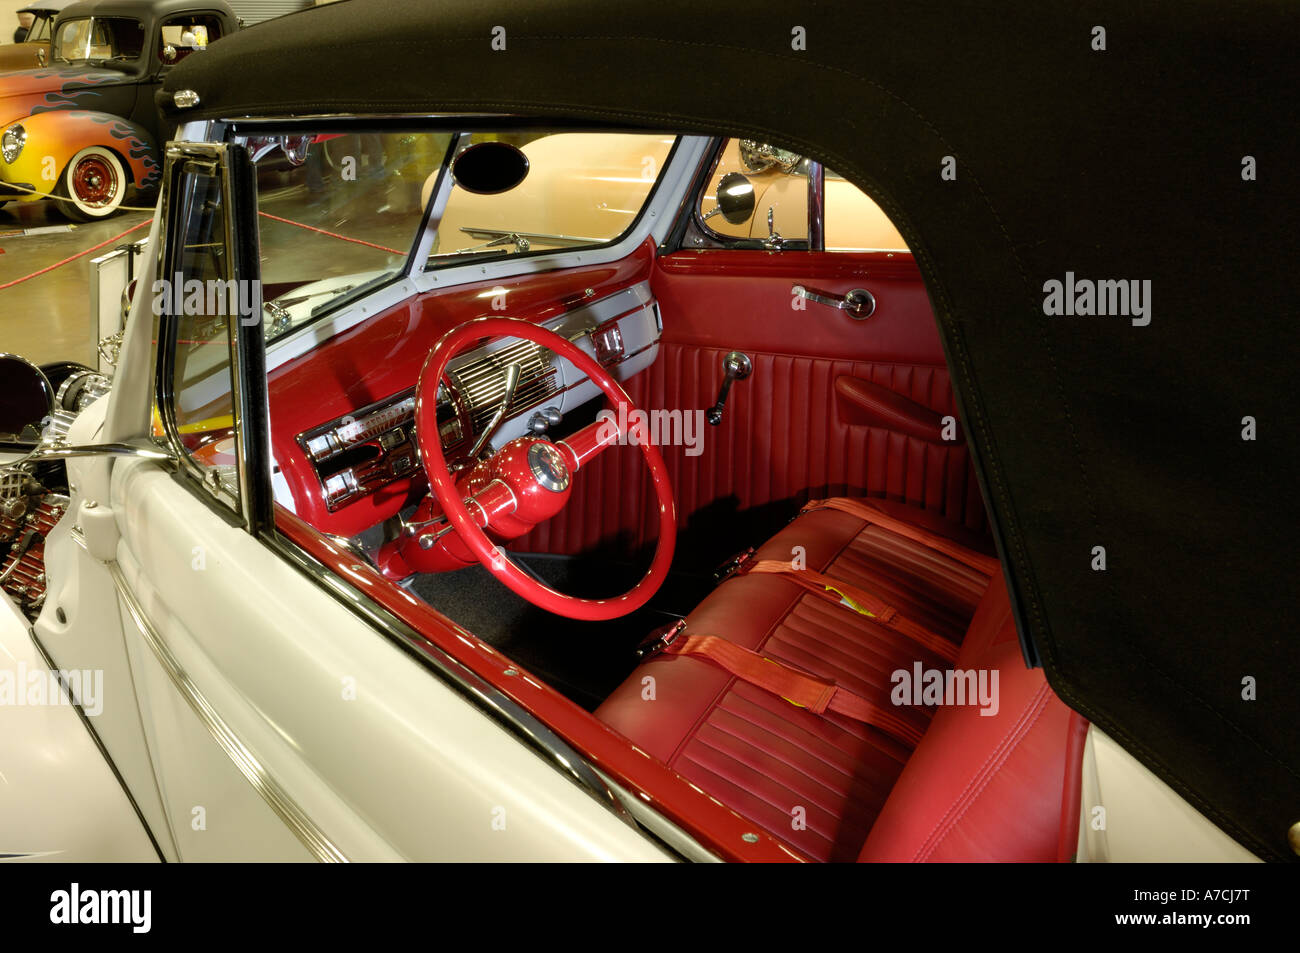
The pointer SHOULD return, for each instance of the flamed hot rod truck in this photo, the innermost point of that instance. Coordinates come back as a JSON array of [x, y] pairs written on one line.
[[84, 129]]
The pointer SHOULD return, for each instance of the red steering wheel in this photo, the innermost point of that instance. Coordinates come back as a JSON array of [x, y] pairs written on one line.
[[542, 466]]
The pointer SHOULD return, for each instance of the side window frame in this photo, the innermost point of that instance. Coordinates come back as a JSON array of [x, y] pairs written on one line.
[[700, 235], [251, 502]]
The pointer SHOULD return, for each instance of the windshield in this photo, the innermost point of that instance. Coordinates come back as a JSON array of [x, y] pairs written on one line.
[[341, 213], [581, 190], [338, 215], [99, 40]]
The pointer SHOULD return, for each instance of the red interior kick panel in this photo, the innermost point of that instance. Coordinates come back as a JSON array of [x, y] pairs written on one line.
[[383, 355], [782, 439]]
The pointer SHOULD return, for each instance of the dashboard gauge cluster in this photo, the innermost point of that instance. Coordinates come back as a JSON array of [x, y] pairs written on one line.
[[359, 453], [355, 455]]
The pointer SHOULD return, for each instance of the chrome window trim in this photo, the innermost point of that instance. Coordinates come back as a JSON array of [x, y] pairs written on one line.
[[165, 358], [417, 262], [250, 419]]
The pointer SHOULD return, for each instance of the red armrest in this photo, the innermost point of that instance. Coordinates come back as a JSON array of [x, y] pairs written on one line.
[[868, 404]]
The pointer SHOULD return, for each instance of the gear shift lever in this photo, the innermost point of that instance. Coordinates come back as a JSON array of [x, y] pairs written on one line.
[[737, 367]]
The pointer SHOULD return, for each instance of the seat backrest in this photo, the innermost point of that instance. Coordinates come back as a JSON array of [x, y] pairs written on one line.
[[1001, 786]]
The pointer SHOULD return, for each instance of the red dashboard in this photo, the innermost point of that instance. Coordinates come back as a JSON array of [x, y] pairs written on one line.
[[356, 382]]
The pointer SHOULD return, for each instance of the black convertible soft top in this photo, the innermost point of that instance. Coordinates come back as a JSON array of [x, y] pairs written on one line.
[[1154, 179]]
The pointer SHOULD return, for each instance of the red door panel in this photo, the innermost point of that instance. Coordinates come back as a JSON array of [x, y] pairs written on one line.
[[784, 436]]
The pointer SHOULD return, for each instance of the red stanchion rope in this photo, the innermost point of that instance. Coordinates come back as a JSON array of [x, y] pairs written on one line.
[[70, 258], [313, 228], [274, 218]]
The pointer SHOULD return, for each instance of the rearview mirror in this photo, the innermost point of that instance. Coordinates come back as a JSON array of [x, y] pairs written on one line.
[[489, 168]]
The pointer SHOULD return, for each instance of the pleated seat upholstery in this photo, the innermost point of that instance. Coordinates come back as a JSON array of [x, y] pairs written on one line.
[[817, 782]]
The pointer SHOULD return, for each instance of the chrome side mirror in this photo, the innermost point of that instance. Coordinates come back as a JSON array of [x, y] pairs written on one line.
[[169, 54], [26, 402], [735, 198]]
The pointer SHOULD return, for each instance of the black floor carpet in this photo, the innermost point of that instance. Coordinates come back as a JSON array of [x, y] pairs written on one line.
[[583, 660]]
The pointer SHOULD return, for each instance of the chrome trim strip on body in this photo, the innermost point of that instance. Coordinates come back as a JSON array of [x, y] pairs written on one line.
[[458, 676], [98, 742], [254, 773]]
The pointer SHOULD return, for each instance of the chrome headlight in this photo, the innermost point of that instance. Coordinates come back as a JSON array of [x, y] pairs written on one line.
[[12, 142]]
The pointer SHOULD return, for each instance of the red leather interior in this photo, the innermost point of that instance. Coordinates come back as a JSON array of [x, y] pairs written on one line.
[[987, 787], [782, 440]]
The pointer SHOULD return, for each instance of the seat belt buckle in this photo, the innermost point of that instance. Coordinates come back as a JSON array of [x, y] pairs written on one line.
[[733, 565], [658, 640]]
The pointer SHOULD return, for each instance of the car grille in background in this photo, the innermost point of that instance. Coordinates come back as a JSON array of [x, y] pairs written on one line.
[[482, 382]]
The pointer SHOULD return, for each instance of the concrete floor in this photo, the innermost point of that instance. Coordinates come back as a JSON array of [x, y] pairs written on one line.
[[48, 317]]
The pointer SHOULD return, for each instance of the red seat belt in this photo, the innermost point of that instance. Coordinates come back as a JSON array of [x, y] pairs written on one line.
[[860, 601], [805, 691], [863, 510]]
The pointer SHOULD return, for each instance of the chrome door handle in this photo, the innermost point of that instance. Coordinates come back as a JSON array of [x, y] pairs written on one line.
[[859, 304]]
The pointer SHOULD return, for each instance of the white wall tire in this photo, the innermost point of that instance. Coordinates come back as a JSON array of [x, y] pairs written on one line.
[[93, 184]]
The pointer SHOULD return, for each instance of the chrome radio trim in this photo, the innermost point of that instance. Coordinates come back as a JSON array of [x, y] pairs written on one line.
[[389, 426]]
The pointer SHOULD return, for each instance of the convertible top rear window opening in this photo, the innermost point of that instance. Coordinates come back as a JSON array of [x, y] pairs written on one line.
[[616, 467]]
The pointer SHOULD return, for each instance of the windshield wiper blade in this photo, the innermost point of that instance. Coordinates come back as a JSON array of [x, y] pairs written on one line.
[[498, 238], [282, 319], [354, 292], [546, 238], [284, 302], [479, 253]]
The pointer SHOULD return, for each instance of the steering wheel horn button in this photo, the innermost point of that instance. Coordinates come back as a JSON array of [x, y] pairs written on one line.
[[548, 467]]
